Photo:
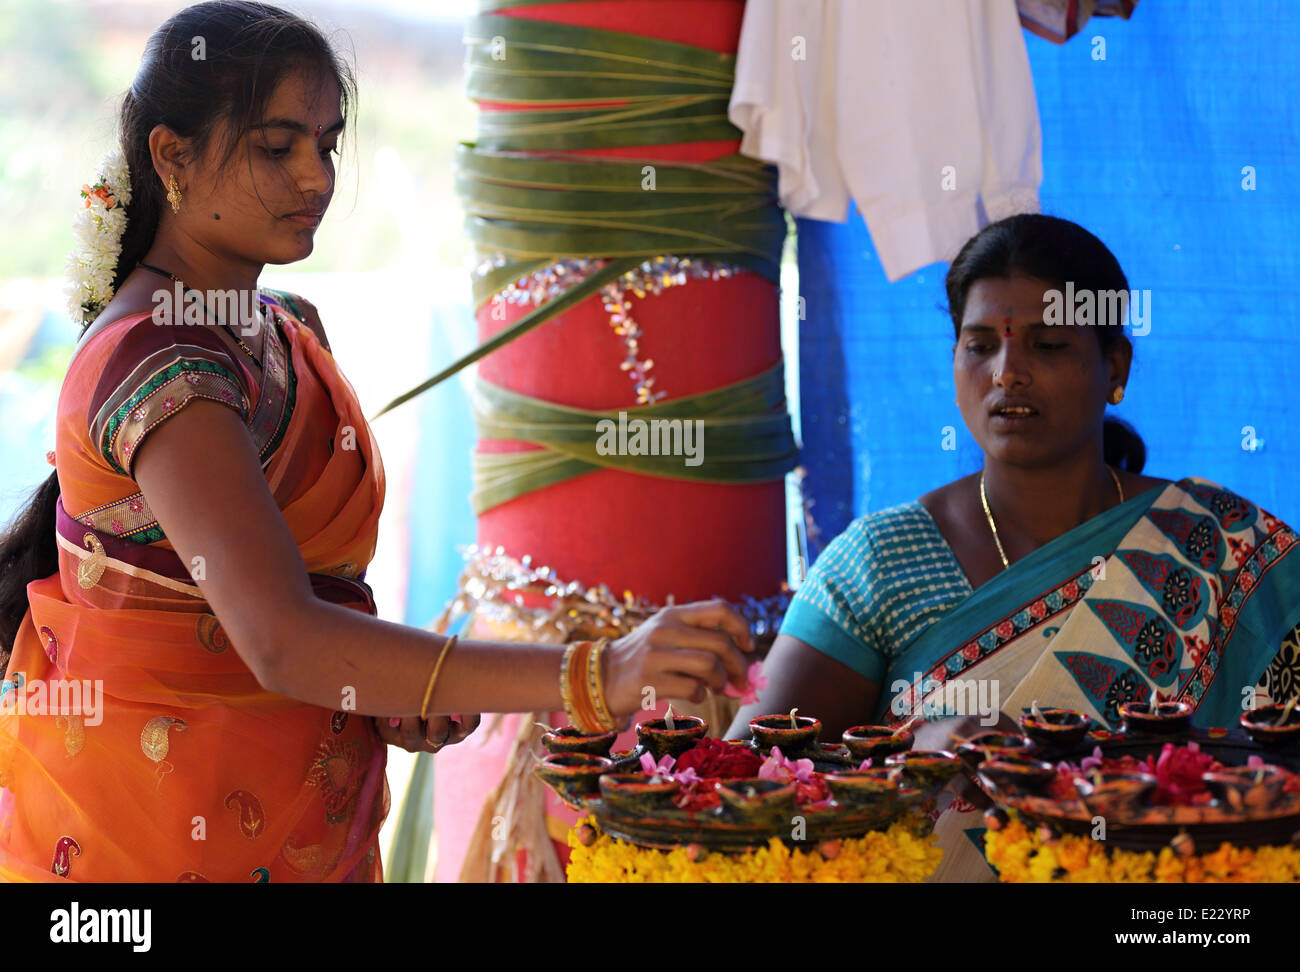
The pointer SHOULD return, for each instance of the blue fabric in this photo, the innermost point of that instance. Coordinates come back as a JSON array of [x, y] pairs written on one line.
[[1146, 149], [441, 519]]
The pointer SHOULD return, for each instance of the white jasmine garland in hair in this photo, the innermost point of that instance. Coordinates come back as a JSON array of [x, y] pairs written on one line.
[[98, 229]]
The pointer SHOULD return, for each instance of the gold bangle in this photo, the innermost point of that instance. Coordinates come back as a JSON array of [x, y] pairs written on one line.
[[598, 686], [573, 688], [566, 686], [578, 687], [433, 679], [566, 696]]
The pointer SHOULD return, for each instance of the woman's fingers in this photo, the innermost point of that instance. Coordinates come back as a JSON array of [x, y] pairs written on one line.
[[716, 614], [417, 735], [672, 686], [437, 731], [701, 666], [463, 728], [702, 640]]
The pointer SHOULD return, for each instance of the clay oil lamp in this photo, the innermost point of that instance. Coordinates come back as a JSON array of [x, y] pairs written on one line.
[[1273, 725], [1114, 794], [926, 769], [574, 776], [570, 739], [1055, 729], [756, 799], [637, 793], [990, 745], [877, 742], [1016, 772], [1249, 788], [1162, 718], [853, 788], [791, 733], [832, 752], [671, 735]]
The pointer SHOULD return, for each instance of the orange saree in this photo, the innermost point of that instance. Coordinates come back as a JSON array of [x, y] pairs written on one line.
[[135, 745]]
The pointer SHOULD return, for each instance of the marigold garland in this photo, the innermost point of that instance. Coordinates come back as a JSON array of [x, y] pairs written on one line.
[[1021, 857], [893, 856]]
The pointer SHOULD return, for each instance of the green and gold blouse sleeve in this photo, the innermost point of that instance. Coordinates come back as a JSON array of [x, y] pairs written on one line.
[[151, 376]]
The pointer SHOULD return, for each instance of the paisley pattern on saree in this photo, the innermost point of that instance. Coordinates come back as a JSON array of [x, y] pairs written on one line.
[[1048, 607], [146, 396], [1282, 679], [1168, 610]]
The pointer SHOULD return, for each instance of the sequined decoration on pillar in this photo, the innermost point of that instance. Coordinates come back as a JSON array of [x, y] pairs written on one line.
[[493, 584], [651, 277]]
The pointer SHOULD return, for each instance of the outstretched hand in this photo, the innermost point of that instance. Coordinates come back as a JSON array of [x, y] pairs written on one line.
[[417, 735], [680, 652]]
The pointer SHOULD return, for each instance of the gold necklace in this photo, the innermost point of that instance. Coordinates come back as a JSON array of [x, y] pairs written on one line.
[[988, 514]]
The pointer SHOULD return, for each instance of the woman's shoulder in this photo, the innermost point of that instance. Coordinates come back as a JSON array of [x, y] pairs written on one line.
[[138, 371], [890, 534], [301, 309]]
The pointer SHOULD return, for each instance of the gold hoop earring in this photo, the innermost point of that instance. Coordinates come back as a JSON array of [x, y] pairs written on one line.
[[173, 193], [1117, 395]]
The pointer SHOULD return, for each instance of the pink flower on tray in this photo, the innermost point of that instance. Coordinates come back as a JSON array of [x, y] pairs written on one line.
[[663, 769], [687, 776], [756, 684], [782, 769]]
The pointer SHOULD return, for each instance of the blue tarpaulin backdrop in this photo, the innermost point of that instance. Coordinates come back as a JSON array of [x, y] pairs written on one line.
[[1148, 149]]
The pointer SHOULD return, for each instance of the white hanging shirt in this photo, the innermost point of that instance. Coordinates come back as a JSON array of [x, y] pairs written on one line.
[[923, 113]]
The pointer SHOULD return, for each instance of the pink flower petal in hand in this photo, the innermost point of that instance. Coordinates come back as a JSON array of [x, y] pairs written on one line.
[[756, 684]]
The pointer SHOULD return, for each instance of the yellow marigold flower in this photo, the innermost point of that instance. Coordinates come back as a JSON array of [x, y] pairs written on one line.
[[892, 856], [1084, 859]]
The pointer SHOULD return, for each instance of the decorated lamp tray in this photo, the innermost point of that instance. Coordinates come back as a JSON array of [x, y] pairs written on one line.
[[679, 787], [1157, 782]]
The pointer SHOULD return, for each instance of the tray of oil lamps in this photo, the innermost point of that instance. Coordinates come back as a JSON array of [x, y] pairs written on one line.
[[678, 787], [1156, 782]]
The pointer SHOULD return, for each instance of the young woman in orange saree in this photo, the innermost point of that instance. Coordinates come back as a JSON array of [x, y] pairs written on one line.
[[190, 755], [188, 586]]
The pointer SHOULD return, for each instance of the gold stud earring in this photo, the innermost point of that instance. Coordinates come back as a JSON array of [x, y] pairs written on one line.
[[173, 193], [1117, 395]]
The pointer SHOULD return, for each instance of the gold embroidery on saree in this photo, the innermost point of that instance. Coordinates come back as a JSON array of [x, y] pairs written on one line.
[[74, 738], [90, 570], [128, 570], [211, 635], [64, 851], [155, 742], [248, 808], [334, 771]]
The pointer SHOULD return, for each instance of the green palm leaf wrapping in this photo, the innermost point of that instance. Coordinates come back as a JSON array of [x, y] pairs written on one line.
[[525, 212], [741, 435]]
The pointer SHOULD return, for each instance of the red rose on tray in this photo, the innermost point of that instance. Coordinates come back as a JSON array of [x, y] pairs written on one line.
[[716, 759], [1178, 772]]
